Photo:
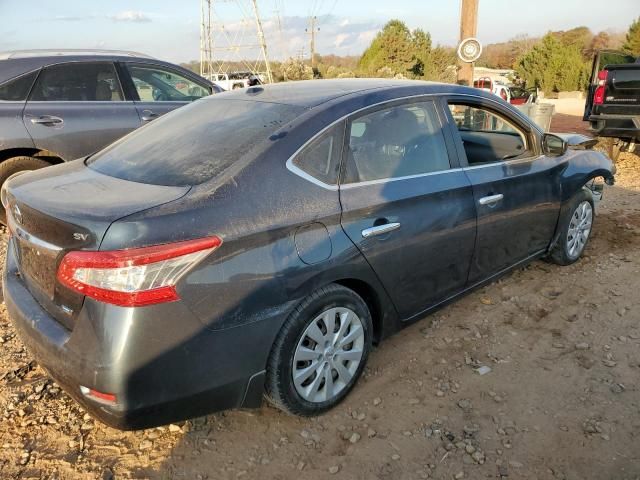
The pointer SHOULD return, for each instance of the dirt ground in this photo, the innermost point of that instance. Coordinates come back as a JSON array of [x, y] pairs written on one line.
[[562, 399]]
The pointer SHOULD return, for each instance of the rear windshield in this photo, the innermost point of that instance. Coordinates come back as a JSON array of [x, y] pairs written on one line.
[[193, 144]]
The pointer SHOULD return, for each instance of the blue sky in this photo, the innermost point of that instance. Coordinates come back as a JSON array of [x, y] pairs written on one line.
[[170, 29]]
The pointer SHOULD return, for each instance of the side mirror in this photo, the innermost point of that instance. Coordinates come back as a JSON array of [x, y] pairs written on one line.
[[553, 145]]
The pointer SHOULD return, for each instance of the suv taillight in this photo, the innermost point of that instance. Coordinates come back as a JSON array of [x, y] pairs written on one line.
[[134, 277], [598, 95]]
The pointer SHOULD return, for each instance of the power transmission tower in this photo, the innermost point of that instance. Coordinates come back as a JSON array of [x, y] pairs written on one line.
[[226, 41], [312, 33]]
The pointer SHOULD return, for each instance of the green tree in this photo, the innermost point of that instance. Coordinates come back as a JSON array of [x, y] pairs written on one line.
[[553, 66], [392, 48], [421, 46], [440, 65], [632, 41], [397, 52]]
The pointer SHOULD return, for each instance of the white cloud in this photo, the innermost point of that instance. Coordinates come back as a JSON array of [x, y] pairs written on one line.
[[340, 39], [130, 16]]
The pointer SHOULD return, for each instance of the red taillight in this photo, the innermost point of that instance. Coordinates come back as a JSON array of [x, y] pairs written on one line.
[[134, 277], [599, 93], [101, 397]]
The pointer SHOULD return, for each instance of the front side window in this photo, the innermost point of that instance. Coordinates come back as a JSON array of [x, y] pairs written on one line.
[[155, 84], [321, 158], [400, 141], [78, 82], [487, 136], [17, 90]]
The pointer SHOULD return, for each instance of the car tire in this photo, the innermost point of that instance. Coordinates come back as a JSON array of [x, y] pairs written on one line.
[[335, 368], [575, 226], [16, 165]]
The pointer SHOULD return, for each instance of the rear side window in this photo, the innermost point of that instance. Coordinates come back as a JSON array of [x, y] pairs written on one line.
[[16, 90], [321, 158], [400, 141], [78, 82], [194, 143]]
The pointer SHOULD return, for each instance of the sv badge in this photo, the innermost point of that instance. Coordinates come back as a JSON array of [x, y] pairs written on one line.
[[80, 236]]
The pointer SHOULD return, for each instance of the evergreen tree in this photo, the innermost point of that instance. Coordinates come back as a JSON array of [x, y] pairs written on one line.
[[391, 48], [553, 67], [632, 43]]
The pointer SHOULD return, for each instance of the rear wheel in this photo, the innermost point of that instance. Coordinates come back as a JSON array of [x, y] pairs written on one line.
[[320, 352], [576, 229], [15, 166]]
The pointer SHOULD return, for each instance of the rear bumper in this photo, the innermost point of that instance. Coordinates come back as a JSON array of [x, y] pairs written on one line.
[[616, 126], [186, 371]]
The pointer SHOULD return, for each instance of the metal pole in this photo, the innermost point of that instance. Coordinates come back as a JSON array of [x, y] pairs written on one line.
[[263, 43], [468, 28]]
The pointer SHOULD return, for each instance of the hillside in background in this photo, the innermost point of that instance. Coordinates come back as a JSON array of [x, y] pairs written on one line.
[[557, 61]]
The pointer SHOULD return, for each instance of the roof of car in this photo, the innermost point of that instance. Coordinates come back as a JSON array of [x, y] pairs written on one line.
[[310, 93], [16, 63], [38, 53]]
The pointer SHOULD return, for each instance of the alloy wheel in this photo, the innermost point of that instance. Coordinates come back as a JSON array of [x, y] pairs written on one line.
[[579, 229], [328, 354]]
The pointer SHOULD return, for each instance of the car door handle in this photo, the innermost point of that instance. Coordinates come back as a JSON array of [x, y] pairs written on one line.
[[47, 120], [380, 229], [491, 199], [148, 115]]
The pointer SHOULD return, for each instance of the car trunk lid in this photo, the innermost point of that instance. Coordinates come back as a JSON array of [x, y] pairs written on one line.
[[69, 207]]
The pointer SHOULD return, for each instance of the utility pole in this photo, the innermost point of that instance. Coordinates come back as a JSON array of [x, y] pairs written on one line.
[[468, 29], [263, 43], [312, 32]]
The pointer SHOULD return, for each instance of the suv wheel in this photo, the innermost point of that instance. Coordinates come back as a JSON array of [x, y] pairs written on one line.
[[320, 352], [14, 166]]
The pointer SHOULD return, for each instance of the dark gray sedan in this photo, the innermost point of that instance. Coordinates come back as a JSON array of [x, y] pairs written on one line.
[[261, 241]]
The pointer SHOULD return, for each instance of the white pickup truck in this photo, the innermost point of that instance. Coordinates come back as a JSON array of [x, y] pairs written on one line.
[[235, 80]]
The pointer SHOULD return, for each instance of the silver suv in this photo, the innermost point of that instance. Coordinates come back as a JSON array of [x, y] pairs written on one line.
[[57, 106]]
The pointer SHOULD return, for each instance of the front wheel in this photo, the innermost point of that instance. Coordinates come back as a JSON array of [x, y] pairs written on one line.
[[320, 352], [575, 230]]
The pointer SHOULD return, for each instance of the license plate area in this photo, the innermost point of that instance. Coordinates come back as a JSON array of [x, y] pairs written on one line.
[[37, 261]]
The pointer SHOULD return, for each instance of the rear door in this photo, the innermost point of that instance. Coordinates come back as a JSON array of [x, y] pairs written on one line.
[[158, 89], [77, 108], [405, 203], [516, 190]]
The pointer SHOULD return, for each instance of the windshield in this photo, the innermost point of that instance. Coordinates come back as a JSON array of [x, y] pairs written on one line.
[[194, 143]]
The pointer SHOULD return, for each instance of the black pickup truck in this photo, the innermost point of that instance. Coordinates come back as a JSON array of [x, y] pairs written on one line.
[[613, 103]]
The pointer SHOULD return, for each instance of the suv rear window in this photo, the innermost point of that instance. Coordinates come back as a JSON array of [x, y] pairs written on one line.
[[194, 143], [16, 90]]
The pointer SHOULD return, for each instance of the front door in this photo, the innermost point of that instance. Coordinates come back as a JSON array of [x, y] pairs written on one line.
[[516, 190], [160, 90], [406, 206], [78, 108]]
